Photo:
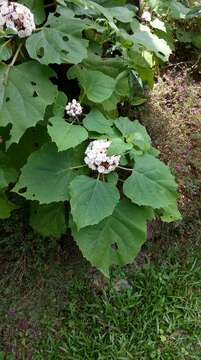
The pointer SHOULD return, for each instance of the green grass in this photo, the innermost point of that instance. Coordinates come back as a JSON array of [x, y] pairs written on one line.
[[57, 315]]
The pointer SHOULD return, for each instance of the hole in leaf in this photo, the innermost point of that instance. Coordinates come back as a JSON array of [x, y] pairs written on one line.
[[22, 190], [36, 144], [114, 247], [65, 52], [56, 14], [49, 123], [7, 99], [33, 83], [35, 94], [33, 195], [65, 38], [48, 26], [40, 52]]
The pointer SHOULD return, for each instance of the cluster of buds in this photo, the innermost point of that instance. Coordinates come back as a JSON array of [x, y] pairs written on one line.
[[16, 17], [97, 158], [74, 108]]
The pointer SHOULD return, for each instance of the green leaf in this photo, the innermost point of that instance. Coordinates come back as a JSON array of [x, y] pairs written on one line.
[[5, 51], [5, 206], [151, 183], [91, 200], [134, 132], [47, 175], [112, 178], [66, 135], [184, 36], [118, 147], [25, 96], [7, 173], [123, 14], [96, 85], [116, 240], [31, 141], [158, 24], [123, 88], [48, 220], [58, 108], [178, 10], [60, 40], [171, 213], [95, 121], [37, 8], [152, 43], [88, 4], [189, 37], [194, 12]]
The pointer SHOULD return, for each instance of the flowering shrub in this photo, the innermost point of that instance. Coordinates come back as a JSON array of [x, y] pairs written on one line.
[[78, 162]]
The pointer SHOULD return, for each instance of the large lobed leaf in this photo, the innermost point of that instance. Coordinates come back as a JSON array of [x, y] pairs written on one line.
[[48, 220], [96, 85], [117, 239], [7, 172], [91, 200], [37, 8], [60, 40], [25, 92], [6, 206], [47, 175], [151, 184], [95, 121], [134, 132], [66, 135]]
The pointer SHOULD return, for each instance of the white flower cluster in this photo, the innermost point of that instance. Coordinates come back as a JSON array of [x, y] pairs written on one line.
[[97, 158], [16, 17], [74, 108], [146, 16]]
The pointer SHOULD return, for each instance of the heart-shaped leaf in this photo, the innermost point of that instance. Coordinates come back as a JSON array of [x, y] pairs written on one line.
[[47, 175], [95, 121], [151, 183], [117, 239], [60, 40], [48, 220], [6, 206], [66, 135], [25, 92], [96, 85], [91, 200]]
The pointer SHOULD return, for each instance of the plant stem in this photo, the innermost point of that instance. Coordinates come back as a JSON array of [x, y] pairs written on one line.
[[50, 5], [124, 168], [39, 29], [12, 63], [15, 56], [77, 167]]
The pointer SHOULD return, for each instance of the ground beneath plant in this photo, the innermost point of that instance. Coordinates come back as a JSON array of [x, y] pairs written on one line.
[[173, 118], [54, 306]]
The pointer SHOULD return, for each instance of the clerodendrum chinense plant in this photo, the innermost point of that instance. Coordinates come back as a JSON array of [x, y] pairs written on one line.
[[77, 161]]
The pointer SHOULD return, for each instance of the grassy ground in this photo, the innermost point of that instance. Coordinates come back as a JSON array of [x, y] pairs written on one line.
[[54, 306], [145, 312]]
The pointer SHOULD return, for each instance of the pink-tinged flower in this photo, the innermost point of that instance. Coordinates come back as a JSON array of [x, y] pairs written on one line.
[[97, 158], [146, 16], [16, 17], [74, 108]]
